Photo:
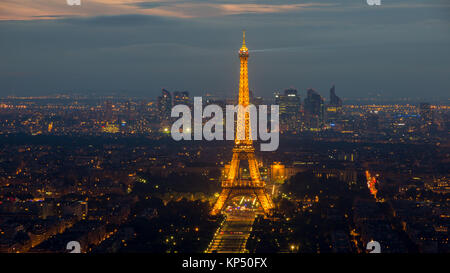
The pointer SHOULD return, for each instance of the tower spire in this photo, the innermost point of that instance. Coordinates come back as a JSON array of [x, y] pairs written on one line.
[[244, 47]]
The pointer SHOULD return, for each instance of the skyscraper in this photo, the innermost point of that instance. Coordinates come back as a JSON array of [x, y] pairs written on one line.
[[314, 109], [334, 100], [290, 105], [165, 104], [289, 102], [334, 109]]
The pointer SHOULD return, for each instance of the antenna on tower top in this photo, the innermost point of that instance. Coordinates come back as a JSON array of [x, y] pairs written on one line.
[[243, 37]]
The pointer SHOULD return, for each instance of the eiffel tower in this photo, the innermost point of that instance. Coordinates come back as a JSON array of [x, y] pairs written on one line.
[[234, 184]]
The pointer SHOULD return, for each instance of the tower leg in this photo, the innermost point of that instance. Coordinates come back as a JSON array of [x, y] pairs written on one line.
[[218, 206], [254, 170], [265, 201], [234, 169]]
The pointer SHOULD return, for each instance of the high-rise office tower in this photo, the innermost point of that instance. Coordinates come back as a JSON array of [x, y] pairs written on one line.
[[290, 106], [289, 102], [314, 109], [334, 109], [165, 104], [334, 100]]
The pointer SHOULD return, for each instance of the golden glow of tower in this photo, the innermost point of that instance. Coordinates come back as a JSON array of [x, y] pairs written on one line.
[[243, 149], [243, 122]]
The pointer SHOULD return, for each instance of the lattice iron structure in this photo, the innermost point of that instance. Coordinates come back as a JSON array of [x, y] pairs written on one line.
[[243, 150]]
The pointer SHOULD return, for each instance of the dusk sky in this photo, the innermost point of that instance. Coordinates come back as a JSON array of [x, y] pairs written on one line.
[[137, 47]]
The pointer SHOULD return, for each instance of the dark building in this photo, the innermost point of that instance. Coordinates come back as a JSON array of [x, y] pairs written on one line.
[[289, 102], [314, 109], [290, 106], [165, 104], [334, 109], [334, 100]]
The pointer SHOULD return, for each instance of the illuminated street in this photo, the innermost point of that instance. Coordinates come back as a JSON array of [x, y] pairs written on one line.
[[234, 232]]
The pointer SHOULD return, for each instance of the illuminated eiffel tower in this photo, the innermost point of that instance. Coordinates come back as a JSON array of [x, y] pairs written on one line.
[[243, 150]]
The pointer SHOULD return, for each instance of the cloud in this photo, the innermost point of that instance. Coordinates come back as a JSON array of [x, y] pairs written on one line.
[[50, 9], [118, 20], [141, 46]]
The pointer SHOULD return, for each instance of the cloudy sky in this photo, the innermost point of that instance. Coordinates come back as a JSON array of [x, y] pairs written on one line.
[[137, 47]]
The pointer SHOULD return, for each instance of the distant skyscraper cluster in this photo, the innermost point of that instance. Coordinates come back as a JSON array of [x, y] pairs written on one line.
[[313, 114], [166, 101]]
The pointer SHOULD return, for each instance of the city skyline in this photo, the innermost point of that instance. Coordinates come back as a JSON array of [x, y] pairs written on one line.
[[156, 138], [135, 48]]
